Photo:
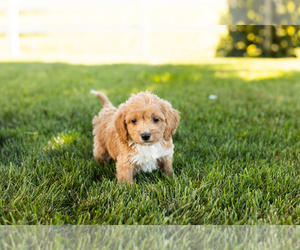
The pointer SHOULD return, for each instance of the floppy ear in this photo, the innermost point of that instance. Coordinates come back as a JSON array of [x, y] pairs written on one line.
[[120, 125], [172, 120]]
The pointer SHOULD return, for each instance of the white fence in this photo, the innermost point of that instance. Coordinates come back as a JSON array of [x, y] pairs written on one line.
[[13, 27]]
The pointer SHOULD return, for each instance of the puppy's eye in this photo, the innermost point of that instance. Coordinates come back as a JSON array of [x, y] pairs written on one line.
[[133, 121], [155, 120]]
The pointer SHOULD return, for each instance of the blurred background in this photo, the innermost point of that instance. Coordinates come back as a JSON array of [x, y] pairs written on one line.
[[98, 31]]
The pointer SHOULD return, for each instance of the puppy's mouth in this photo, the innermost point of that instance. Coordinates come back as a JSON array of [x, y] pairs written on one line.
[[147, 143], [142, 142]]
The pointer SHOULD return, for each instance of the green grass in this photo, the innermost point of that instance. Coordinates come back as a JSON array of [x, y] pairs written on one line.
[[236, 158]]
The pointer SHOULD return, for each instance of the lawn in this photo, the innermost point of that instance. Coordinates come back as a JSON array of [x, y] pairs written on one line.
[[236, 157]]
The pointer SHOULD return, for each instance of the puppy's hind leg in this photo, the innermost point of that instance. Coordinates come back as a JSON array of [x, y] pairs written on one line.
[[100, 153]]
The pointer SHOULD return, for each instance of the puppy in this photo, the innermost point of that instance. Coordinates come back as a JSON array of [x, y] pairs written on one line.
[[137, 135]]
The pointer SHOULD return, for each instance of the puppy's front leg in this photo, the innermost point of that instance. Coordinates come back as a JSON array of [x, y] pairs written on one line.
[[165, 164], [124, 170]]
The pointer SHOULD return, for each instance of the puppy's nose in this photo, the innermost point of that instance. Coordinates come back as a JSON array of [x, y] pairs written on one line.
[[145, 136]]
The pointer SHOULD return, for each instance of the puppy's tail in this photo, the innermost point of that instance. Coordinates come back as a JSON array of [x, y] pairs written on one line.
[[105, 102]]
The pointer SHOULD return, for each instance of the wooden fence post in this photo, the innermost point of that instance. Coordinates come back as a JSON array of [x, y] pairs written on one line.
[[144, 27], [13, 27]]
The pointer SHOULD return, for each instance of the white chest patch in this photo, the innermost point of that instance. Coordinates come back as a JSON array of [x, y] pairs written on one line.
[[146, 156]]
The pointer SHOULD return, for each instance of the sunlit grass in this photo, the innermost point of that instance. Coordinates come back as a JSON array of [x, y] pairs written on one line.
[[236, 157], [260, 75], [249, 75], [62, 140]]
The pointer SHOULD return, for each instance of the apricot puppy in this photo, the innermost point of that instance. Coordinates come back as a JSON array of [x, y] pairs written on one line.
[[137, 135]]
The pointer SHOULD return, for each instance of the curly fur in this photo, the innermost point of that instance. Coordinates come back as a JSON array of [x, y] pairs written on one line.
[[118, 134]]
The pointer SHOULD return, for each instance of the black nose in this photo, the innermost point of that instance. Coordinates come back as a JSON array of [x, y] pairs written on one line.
[[145, 136]]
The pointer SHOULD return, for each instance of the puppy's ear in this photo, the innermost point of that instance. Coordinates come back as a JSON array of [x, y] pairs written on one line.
[[172, 120], [120, 124]]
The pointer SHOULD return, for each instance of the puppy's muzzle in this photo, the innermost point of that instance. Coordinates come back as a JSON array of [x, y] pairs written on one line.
[[145, 136]]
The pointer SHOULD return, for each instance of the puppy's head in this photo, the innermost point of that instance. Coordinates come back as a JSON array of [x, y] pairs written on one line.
[[146, 119]]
